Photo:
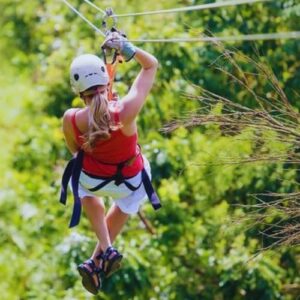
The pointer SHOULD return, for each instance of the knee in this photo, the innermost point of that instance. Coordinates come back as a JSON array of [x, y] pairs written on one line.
[[93, 203]]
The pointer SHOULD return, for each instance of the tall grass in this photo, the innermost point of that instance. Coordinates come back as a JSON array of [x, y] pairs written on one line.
[[272, 120]]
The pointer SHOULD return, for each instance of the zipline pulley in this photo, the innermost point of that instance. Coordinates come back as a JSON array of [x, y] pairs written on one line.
[[113, 54], [109, 14]]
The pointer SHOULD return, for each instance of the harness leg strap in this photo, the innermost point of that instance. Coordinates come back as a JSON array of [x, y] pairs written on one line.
[[150, 190], [101, 185], [75, 183], [73, 170], [65, 180]]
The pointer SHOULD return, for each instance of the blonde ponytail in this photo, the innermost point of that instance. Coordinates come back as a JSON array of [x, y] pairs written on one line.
[[99, 121]]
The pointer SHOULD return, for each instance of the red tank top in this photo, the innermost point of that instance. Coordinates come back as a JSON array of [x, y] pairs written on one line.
[[102, 160]]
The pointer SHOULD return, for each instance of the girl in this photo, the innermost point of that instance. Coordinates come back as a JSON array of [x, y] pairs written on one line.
[[107, 160]]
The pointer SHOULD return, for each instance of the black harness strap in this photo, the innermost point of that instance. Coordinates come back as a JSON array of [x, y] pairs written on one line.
[[131, 187], [65, 179], [73, 170], [75, 185], [150, 190], [100, 186], [117, 182]]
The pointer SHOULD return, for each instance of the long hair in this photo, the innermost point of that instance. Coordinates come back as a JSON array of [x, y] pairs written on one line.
[[99, 121]]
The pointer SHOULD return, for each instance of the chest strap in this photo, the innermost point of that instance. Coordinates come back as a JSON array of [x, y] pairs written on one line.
[[73, 170]]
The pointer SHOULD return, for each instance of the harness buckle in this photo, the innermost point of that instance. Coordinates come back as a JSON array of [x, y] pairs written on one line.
[[119, 178]]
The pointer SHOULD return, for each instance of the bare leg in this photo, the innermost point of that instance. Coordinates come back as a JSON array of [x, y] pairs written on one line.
[[115, 220], [95, 210]]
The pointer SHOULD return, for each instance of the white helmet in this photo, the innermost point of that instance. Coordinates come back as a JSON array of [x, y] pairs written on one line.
[[87, 70]]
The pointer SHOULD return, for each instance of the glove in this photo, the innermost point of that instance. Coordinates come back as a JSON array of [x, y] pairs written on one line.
[[115, 40]]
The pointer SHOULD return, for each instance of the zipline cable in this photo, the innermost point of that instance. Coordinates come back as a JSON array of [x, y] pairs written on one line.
[[247, 37], [250, 37], [83, 17], [93, 5], [187, 8]]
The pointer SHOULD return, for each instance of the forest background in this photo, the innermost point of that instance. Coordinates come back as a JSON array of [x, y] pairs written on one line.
[[200, 248]]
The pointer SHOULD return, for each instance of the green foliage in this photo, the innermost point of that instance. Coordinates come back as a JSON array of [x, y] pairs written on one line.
[[197, 251]]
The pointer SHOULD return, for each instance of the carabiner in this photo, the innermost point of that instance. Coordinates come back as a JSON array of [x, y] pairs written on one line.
[[116, 57], [109, 14]]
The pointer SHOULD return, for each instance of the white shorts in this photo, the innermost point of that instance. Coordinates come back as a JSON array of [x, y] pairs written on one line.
[[127, 200]]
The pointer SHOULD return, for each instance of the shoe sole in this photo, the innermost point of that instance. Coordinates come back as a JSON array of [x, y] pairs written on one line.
[[114, 266], [88, 280]]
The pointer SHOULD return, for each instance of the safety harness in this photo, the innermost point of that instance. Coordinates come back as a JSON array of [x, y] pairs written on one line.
[[73, 170], [74, 166]]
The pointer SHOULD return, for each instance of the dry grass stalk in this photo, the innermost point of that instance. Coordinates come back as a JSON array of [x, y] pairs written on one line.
[[273, 113]]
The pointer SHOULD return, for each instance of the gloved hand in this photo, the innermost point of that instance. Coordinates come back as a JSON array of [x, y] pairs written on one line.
[[115, 40]]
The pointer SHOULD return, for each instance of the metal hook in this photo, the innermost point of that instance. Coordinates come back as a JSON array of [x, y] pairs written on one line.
[[109, 14]]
